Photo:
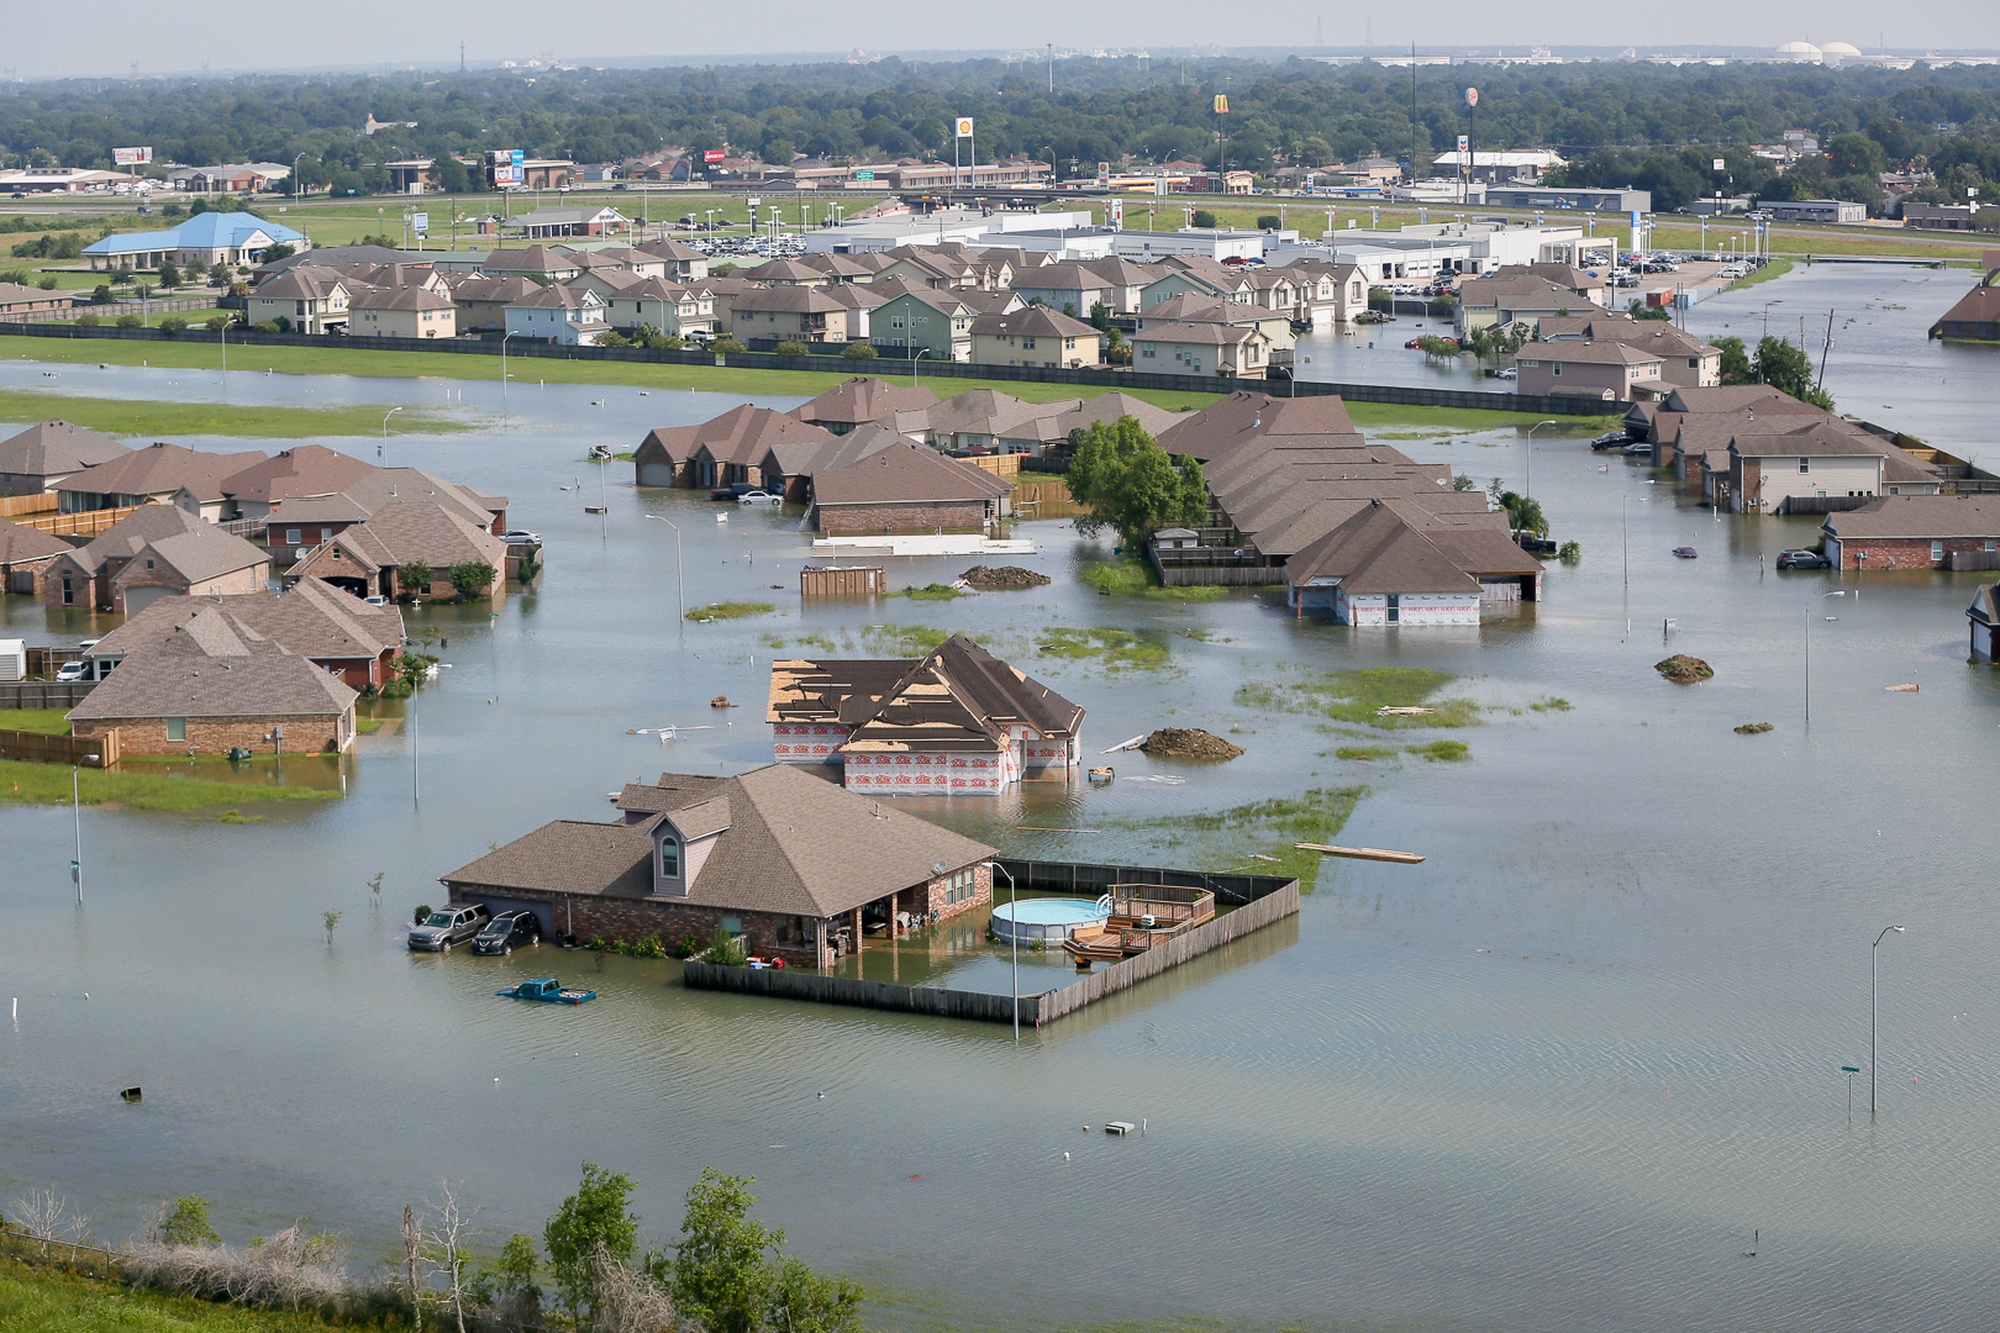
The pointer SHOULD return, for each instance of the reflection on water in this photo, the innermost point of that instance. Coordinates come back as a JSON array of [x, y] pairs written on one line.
[[1554, 1076]]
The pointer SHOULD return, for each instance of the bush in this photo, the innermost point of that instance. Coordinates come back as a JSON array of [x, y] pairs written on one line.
[[185, 1222], [858, 351], [1269, 222], [1204, 218], [724, 951], [725, 346], [88, 321], [216, 323], [790, 347], [472, 578], [277, 252], [173, 209], [47, 284], [282, 324], [172, 325], [129, 321], [412, 580], [170, 276], [101, 294]]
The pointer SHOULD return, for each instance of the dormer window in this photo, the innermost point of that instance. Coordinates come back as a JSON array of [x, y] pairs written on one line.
[[670, 858]]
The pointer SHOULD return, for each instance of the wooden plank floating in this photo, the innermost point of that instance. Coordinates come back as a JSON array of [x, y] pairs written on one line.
[[1132, 744], [1410, 710], [1361, 853], [1902, 689]]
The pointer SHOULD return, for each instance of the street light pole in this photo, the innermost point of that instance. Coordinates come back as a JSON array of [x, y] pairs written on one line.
[[1875, 1009], [1014, 937], [680, 586], [1531, 454], [76, 817], [503, 362], [1808, 649], [382, 450]]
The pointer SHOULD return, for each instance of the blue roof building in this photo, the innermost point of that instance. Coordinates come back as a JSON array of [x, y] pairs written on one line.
[[210, 238]]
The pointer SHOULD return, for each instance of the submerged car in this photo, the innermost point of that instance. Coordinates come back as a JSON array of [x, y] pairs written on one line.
[[1612, 439], [448, 927], [1803, 560], [508, 931]]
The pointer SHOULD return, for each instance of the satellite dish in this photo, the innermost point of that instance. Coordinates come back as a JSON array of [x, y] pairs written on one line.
[[939, 868]]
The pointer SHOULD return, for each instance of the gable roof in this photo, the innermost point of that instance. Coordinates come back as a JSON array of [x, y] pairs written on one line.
[[906, 474], [312, 619], [809, 458], [1923, 517], [406, 532], [1033, 321], [55, 448], [1223, 426], [20, 543], [206, 552], [956, 697], [1386, 547], [214, 666], [129, 534], [863, 398], [161, 469], [792, 843], [1570, 353], [1981, 305], [303, 469], [743, 434], [1112, 406]]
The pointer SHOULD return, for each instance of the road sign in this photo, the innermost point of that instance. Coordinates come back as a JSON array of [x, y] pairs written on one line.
[[864, 175], [420, 223], [965, 127], [1720, 165]]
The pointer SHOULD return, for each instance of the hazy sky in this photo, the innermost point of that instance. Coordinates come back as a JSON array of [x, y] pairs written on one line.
[[43, 41]]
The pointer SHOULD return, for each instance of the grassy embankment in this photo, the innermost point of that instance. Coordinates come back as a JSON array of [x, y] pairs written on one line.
[[1777, 268], [131, 787], [1256, 838], [46, 1300], [47, 721], [151, 419], [1358, 696]]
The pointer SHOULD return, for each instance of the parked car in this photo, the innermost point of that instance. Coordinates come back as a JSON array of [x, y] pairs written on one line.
[[72, 671], [447, 927], [1508, 374], [1685, 553], [1637, 449], [1611, 439], [508, 931], [522, 537], [759, 498], [1803, 560]]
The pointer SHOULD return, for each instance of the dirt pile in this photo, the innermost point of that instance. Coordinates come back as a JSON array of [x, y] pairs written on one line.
[[1003, 577], [1684, 670], [1755, 728], [1188, 743]]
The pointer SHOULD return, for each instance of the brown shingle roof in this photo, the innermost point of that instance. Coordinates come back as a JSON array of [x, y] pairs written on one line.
[[1245, 415], [19, 543], [214, 666], [1923, 517], [311, 619], [1034, 322], [863, 398], [906, 474], [55, 448], [405, 532], [161, 469], [742, 435], [304, 469]]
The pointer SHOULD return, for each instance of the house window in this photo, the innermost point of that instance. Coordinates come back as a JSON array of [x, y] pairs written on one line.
[[177, 728], [1937, 550], [291, 536], [1556, 369], [670, 858], [1989, 546], [1027, 343], [1805, 465]]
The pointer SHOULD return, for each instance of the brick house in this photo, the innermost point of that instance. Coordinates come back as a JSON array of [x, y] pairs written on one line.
[[908, 488], [1398, 564], [1975, 318], [856, 402], [956, 721], [1822, 459], [1685, 360], [212, 683], [157, 551], [160, 473], [721, 451], [1614, 371], [331, 629], [43, 455], [800, 868], [1914, 532], [25, 556], [373, 558]]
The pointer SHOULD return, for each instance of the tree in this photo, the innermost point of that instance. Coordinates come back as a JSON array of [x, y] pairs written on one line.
[[276, 252], [472, 578], [597, 1218], [170, 276], [1129, 484], [1203, 218], [1269, 222], [1789, 370], [1736, 367], [720, 1269], [1524, 514], [1640, 310], [185, 1222], [413, 580], [329, 920], [1436, 348], [1855, 155], [802, 1301]]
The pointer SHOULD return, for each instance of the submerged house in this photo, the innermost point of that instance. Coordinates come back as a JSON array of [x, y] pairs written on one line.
[[799, 868], [1395, 563], [956, 721]]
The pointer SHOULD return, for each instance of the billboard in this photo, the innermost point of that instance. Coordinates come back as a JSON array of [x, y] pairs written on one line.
[[420, 223], [132, 157], [507, 166], [965, 127], [713, 154], [1222, 104]]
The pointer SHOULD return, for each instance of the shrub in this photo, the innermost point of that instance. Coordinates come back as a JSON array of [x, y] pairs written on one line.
[[1269, 222], [170, 276], [172, 325], [412, 580], [88, 321], [216, 323], [472, 578], [859, 351], [1204, 218], [185, 1222], [790, 347], [724, 951], [47, 284], [725, 346], [282, 324], [102, 294], [279, 251], [129, 321]]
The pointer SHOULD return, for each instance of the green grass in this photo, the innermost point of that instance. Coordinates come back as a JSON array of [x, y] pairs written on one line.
[[902, 640], [1131, 576], [1553, 704], [24, 783], [143, 419], [346, 360], [1118, 649], [1236, 839], [1365, 752], [1357, 695], [45, 1300], [730, 611], [1447, 752], [931, 592], [49, 721]]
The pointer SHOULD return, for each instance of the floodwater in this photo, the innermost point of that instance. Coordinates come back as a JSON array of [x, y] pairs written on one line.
[[1560, 1074]]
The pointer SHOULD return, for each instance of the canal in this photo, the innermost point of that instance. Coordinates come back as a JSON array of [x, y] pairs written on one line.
[[1559, 1074]]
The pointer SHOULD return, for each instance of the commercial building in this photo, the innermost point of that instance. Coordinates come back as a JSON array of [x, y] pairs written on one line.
[[207, 238], [1815, 210]]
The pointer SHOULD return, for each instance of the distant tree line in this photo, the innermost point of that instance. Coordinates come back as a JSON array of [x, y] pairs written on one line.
[[1658, 127]]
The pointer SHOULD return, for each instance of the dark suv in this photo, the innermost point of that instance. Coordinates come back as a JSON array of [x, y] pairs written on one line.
[[447, 926], [506, 931], [1803, 560]]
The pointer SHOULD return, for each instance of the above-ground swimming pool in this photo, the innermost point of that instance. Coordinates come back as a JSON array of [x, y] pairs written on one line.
[[1050, 920]]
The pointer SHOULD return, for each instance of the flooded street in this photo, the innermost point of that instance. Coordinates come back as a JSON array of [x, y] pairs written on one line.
[[1558, 1074]]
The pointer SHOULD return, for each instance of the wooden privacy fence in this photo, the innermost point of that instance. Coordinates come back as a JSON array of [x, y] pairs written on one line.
[[44, 693], [89, 523], [13, 506], [38, 747], [1259, 900]]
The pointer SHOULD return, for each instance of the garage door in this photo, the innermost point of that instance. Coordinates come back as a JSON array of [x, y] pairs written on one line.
[[544, 912], [138, 599]]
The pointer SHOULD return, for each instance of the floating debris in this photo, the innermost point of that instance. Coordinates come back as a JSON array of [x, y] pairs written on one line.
[[720, 701], [1755, 728], [1902, 689], [1189, 743], [1003, 577], [1684, 670]]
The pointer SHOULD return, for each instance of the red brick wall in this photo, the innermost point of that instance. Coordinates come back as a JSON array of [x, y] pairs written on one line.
[[860, 520], [1901, 552], [29, 573], [136, 575], [303, 735]]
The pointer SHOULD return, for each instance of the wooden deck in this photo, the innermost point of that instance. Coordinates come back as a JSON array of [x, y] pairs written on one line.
[[1143, 917]]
